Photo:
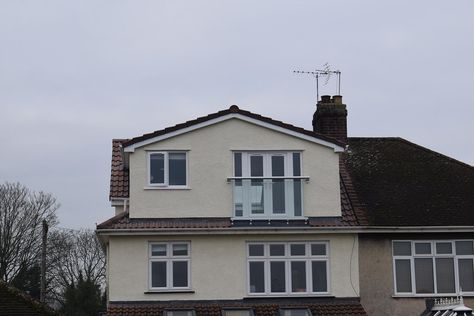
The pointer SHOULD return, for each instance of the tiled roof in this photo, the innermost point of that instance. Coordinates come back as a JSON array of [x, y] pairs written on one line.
[[234, 109], [262, 307], [119, 174], [404, 184], [13, 302]]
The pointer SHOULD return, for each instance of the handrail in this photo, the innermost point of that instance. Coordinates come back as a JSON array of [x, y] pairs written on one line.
[[268, 178]]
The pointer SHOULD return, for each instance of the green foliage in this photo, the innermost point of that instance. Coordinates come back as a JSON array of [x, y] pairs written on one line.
[[83, 299], [29, 280]]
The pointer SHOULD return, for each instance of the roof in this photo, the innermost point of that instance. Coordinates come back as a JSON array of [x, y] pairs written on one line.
[[232, 111], [13, 302], [404, 184], [118, 173], [262, 307], [350, 217]]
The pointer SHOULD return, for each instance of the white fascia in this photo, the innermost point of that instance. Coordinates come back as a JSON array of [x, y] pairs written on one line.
[[336, 148]]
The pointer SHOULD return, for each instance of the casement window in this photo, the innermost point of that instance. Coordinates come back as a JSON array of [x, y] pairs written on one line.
[[169, 266], [295, 312], [167, 169], [267, 185], [238, 312], [287, 268], [433, 267], [177, 312]]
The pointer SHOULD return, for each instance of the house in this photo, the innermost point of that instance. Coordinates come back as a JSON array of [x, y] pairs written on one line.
[[235, 213]]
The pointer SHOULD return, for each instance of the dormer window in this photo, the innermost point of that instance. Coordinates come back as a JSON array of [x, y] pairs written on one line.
[[267, 185], [167, 169]]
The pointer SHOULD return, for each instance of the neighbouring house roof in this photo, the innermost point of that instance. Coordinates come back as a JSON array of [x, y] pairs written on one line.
[[262, 307], [404, 184], [118, 173], [14, 302]]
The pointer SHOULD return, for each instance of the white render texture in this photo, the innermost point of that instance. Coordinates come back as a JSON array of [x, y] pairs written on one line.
[[210, 162], [218, 265]]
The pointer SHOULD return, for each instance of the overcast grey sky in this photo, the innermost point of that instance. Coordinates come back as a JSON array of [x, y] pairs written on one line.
[[75, 74]]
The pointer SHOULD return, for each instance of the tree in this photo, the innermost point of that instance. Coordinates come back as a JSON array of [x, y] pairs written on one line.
[[72, 255], [82, 298], [21, 214]]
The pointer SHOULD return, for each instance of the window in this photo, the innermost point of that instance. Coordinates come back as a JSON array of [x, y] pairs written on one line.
[[294, 268], [167, 169], [267, 184], [295, 312], [170, 266], [238, 312], [433, 267], [189, 312]]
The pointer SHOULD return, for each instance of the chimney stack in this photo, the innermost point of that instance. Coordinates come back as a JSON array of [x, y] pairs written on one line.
[[330, 118]]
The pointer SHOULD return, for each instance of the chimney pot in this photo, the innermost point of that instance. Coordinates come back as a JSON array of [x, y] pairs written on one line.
[[337, 99], [326, 98]]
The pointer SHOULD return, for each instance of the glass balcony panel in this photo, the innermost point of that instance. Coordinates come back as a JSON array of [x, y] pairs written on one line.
[[278, 196], [257, 197]]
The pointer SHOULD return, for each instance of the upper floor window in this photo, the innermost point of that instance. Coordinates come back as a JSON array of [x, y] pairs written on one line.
[[167, 169], [170, 266], [267, 184], [292, 268], [238, 312], [433, 267]]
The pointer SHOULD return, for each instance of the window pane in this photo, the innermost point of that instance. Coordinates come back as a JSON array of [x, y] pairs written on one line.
[[424, 275], [257, 277], [445, 275], [320, 282], [256, 250], [403, 275], [402, 248], [157, 168], [256, 196], [180, 273], [158, 274], [278, 196], [278, 166], [180, 249], [177, 168], [277, 276], [179, 313], [294, 312], [238, 198], [464, 247], [158, 250], [318, 249], [298, 276], [277, 250], [444, 248], [256, 166], [296, 165], [422, 248], [237, 165], [466, 275], [298, 249], [238, 312], [297, 196]]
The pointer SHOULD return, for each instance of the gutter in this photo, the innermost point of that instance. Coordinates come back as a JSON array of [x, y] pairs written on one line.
[[292, 230]]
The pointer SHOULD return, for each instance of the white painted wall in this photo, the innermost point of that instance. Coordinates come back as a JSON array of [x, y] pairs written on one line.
[[210, 162], [218, 265]]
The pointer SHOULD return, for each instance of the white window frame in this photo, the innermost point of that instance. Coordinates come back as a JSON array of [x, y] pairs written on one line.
[[288, 258], [433, 255], [171, 312], [237, 309], [267, 170], [166, 184], [169, 259]]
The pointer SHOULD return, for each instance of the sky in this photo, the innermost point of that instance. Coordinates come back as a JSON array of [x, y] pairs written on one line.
[[76, 74]]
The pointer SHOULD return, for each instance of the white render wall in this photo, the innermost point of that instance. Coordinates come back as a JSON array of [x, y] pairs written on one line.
[[210, 162], [218, 265]]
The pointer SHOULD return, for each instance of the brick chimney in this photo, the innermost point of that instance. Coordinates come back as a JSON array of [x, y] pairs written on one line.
[[330, 118]]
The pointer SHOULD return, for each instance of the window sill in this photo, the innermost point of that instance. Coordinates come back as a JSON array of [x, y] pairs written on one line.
[[168, 291], [249, 296], [276, 218], [166, 188]]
